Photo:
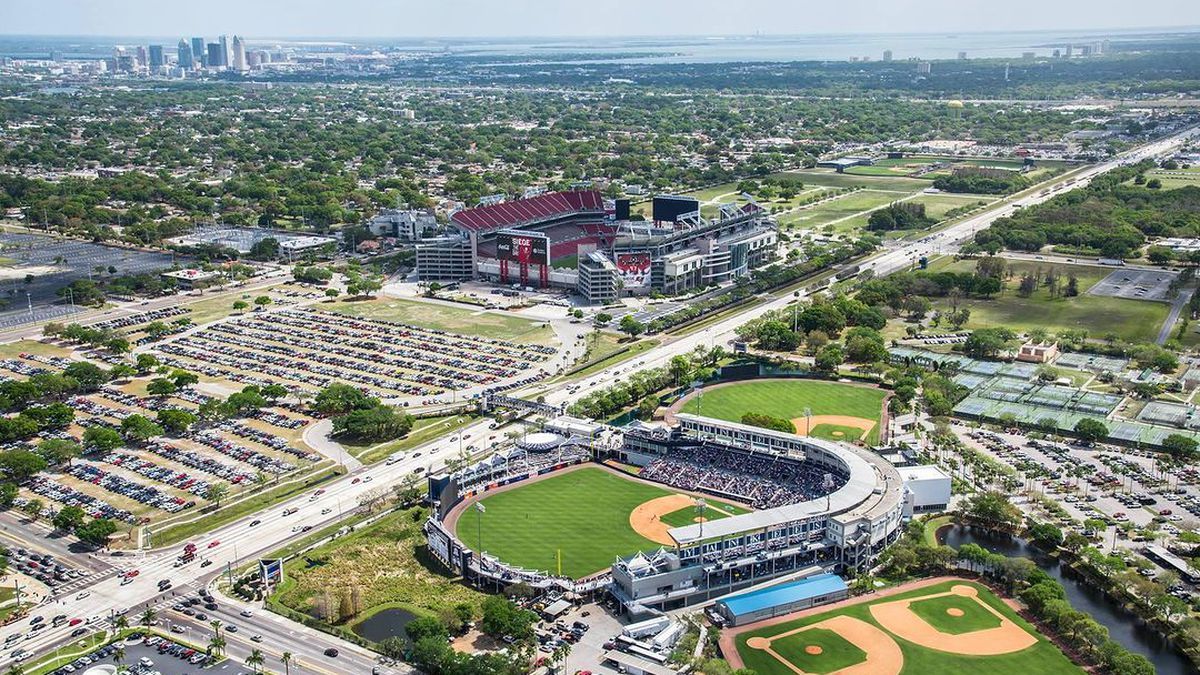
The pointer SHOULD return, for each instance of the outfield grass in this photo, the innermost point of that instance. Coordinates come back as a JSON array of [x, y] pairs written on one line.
[[583, 514], [1043, 658], [836, 651], [787, 399], [935, 612], [451, 319]]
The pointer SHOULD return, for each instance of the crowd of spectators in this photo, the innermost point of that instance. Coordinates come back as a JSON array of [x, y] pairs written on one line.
[[762, 480]]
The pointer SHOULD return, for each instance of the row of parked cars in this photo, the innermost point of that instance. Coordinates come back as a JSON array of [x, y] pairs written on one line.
[[44, 568]]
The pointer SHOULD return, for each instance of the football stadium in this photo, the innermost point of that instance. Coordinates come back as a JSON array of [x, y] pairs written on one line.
[[662, 517], [578, 240]]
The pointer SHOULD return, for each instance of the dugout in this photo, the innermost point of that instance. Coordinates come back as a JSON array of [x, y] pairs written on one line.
[[781, 599]]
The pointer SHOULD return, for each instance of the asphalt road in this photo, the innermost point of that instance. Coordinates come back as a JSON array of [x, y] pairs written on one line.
[[239, 541]]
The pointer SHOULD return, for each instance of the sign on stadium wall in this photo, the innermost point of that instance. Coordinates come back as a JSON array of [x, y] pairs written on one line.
[[526, 248], [634, 269]]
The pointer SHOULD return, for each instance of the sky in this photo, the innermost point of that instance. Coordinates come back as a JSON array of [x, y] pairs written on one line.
[[529, 18]]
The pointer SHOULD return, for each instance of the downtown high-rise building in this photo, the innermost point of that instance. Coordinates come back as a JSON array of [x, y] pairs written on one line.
[[226, 54], [157, 58], [214, 55], [183, 52], [198, 51], [239, 55]]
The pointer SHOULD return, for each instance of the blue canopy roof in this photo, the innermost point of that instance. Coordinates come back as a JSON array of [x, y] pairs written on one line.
[[773, 596]]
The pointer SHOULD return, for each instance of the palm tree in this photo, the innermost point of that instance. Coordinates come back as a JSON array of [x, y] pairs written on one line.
[[148, 617], [120, 623], [255, 660], [216, 626], [15, 669], [119, 654], [216, 646], [286, 660]]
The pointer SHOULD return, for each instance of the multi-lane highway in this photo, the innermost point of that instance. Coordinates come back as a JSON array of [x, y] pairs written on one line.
[[263, 532]]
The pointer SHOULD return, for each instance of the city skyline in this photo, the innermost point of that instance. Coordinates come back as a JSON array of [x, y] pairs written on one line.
[[544, 18]]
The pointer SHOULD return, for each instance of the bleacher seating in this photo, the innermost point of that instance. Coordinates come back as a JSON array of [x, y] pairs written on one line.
[[545, 207]]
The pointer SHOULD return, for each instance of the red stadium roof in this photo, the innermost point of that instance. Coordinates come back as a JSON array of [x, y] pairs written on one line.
[[520, 211]]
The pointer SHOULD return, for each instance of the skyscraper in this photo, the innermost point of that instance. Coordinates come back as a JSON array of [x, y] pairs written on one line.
[[887, 55], [214, 55], [185, 55], [156, 56], [239, 55], [198, 51], [226, 56], [142, 57]]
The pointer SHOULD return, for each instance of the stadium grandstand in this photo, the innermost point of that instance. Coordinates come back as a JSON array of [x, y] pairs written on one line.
[[574, 240]]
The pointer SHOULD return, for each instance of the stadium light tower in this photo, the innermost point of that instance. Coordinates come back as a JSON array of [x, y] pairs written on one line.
[[701, 506], [827, 485]]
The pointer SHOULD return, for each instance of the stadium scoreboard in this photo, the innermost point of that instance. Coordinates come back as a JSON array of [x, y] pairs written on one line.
[[668, 208], [526, 248]]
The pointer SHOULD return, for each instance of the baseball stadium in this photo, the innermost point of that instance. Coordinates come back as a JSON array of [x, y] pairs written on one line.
[[662, 516]]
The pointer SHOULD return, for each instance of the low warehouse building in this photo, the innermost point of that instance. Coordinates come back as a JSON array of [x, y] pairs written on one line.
[[781, 599]]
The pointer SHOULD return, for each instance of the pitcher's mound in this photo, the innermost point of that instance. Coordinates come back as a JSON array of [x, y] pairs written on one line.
[[813, 650], [954, 611]]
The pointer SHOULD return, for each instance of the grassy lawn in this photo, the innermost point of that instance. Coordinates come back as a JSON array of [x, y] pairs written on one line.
[[714, 511], [177, 533], [1043, 658], [452, 319], [13, 350], [1132, 320], [605, 353], [836, 652], [936, 612], [839, 212], [787, 399], [583, 514], [933, 525], [1177, 178], [386, 562], [831, 178], [936, 206], [423, 431]]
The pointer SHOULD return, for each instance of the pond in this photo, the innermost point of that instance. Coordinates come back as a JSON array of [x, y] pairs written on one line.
[[385, 624], [1123, 627]]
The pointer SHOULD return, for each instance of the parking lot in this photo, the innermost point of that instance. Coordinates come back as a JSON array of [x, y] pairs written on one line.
[[1135, 284], [72, 260], [144, 656], [307, 348], [1119, 486], [165, 475]]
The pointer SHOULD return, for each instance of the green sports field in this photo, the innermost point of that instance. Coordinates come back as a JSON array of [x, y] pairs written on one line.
[[583, 513], [714, 511], [787, 399], [1043, 658]]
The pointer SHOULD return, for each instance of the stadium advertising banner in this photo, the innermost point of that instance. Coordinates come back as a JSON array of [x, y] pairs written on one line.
[[634, 269], [527, 248]]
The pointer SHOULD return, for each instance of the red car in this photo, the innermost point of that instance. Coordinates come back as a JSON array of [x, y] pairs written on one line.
[[356, 480], [132, 573], [74, 622], [214, 543]]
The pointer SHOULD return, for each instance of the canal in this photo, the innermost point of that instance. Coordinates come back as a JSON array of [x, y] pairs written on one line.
[[1123, 627]]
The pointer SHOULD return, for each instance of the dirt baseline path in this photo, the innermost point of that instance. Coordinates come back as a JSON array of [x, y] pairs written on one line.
[[646, 518], [804, 425], [1006, 638], [883, 654]]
